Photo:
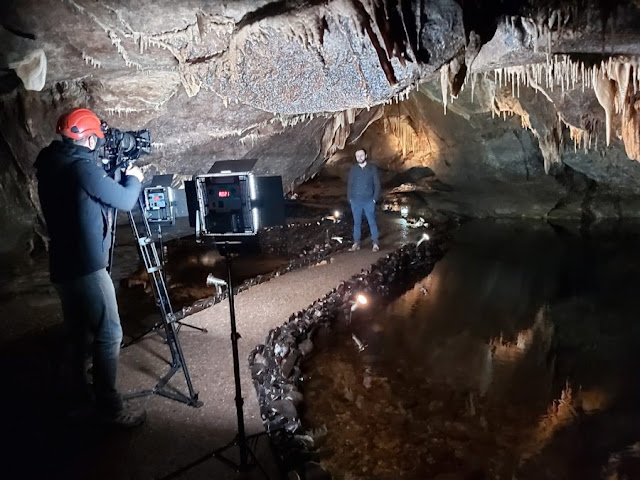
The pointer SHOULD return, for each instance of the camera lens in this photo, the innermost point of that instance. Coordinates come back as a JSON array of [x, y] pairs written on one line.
[[128, 142]]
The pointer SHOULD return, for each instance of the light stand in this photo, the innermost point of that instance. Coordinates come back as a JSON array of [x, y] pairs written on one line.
[[241, 440]]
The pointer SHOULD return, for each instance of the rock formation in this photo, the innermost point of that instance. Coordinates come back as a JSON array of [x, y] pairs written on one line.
[[296, 82]]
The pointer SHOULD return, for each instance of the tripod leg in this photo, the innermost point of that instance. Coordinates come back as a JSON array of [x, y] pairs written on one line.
[[178, 357], [183, 324], [136, 339], [154, 269], [258, 464]]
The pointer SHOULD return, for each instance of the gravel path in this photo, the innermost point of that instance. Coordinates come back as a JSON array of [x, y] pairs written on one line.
[[175, 434]]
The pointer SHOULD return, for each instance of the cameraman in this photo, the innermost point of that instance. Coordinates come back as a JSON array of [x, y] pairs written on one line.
[[78, 199]]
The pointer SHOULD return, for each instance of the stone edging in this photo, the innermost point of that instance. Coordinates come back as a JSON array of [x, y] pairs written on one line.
[[276, 365]]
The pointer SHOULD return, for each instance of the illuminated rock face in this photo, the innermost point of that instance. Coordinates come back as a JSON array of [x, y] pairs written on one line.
[[294, 83]]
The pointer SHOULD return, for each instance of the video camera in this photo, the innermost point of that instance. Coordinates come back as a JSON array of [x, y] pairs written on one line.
[[122, 148]]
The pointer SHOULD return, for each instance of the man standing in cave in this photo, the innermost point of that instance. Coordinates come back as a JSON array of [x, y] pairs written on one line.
[[77, 198], [363, 191]]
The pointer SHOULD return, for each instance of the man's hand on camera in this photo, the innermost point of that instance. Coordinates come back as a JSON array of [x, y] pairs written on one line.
[[135, 171]]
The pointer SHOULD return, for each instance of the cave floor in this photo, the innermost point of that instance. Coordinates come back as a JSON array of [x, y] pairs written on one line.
[[44, 445]]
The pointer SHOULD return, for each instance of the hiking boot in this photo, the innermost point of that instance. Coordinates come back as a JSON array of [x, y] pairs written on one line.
[[376, 247], [126, 418], [355, 247]]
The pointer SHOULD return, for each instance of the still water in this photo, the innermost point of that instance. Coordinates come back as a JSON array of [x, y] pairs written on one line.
[[517, 357]]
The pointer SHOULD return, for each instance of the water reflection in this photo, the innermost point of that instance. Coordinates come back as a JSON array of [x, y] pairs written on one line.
[[489, 365]]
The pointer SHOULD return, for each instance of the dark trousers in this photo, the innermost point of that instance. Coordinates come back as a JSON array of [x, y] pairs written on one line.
[[367, 207], [91, 316]]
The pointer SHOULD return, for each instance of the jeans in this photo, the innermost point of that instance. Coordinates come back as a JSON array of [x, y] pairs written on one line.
[[369, 209], [91, 316]]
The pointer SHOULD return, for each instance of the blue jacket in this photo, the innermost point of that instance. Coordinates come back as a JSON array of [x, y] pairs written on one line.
[[76, 196], [364, 183]]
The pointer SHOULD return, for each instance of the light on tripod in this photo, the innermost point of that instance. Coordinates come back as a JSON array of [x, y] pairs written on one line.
[[404, 211], [425, 238]]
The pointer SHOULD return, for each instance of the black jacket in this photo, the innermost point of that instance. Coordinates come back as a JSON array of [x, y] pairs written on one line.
[[76, 196], [364, 183]]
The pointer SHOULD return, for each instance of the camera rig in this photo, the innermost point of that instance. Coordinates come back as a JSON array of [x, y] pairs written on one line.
[[121, 149]]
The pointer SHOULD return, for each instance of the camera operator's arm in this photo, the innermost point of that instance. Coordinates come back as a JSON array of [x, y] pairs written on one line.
[[98, 185]]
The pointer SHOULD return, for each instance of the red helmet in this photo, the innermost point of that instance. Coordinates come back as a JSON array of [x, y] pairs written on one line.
[[78, 124]]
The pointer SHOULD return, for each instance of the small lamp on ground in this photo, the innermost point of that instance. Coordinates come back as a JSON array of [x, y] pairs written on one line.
[[360, 302], [216, 282], [337, 214], [425, 238]]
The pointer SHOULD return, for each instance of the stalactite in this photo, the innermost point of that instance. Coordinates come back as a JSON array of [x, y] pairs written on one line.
[[121, 110], [622, 75], [89, 60], [581, 138], [408, 139], [605, 90], [444, 85], [616, 82]]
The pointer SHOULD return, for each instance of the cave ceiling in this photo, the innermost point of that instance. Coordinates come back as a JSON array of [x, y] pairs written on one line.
[[223, 76]]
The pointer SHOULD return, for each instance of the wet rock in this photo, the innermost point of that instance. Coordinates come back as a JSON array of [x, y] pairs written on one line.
[[315, 471], [289, 363], [295, 397], [435, 406], [306, 347], [258, 372]]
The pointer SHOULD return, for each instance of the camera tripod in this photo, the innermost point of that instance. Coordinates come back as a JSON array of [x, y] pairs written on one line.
[[168, 321], [158, 326], [248, 459]]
